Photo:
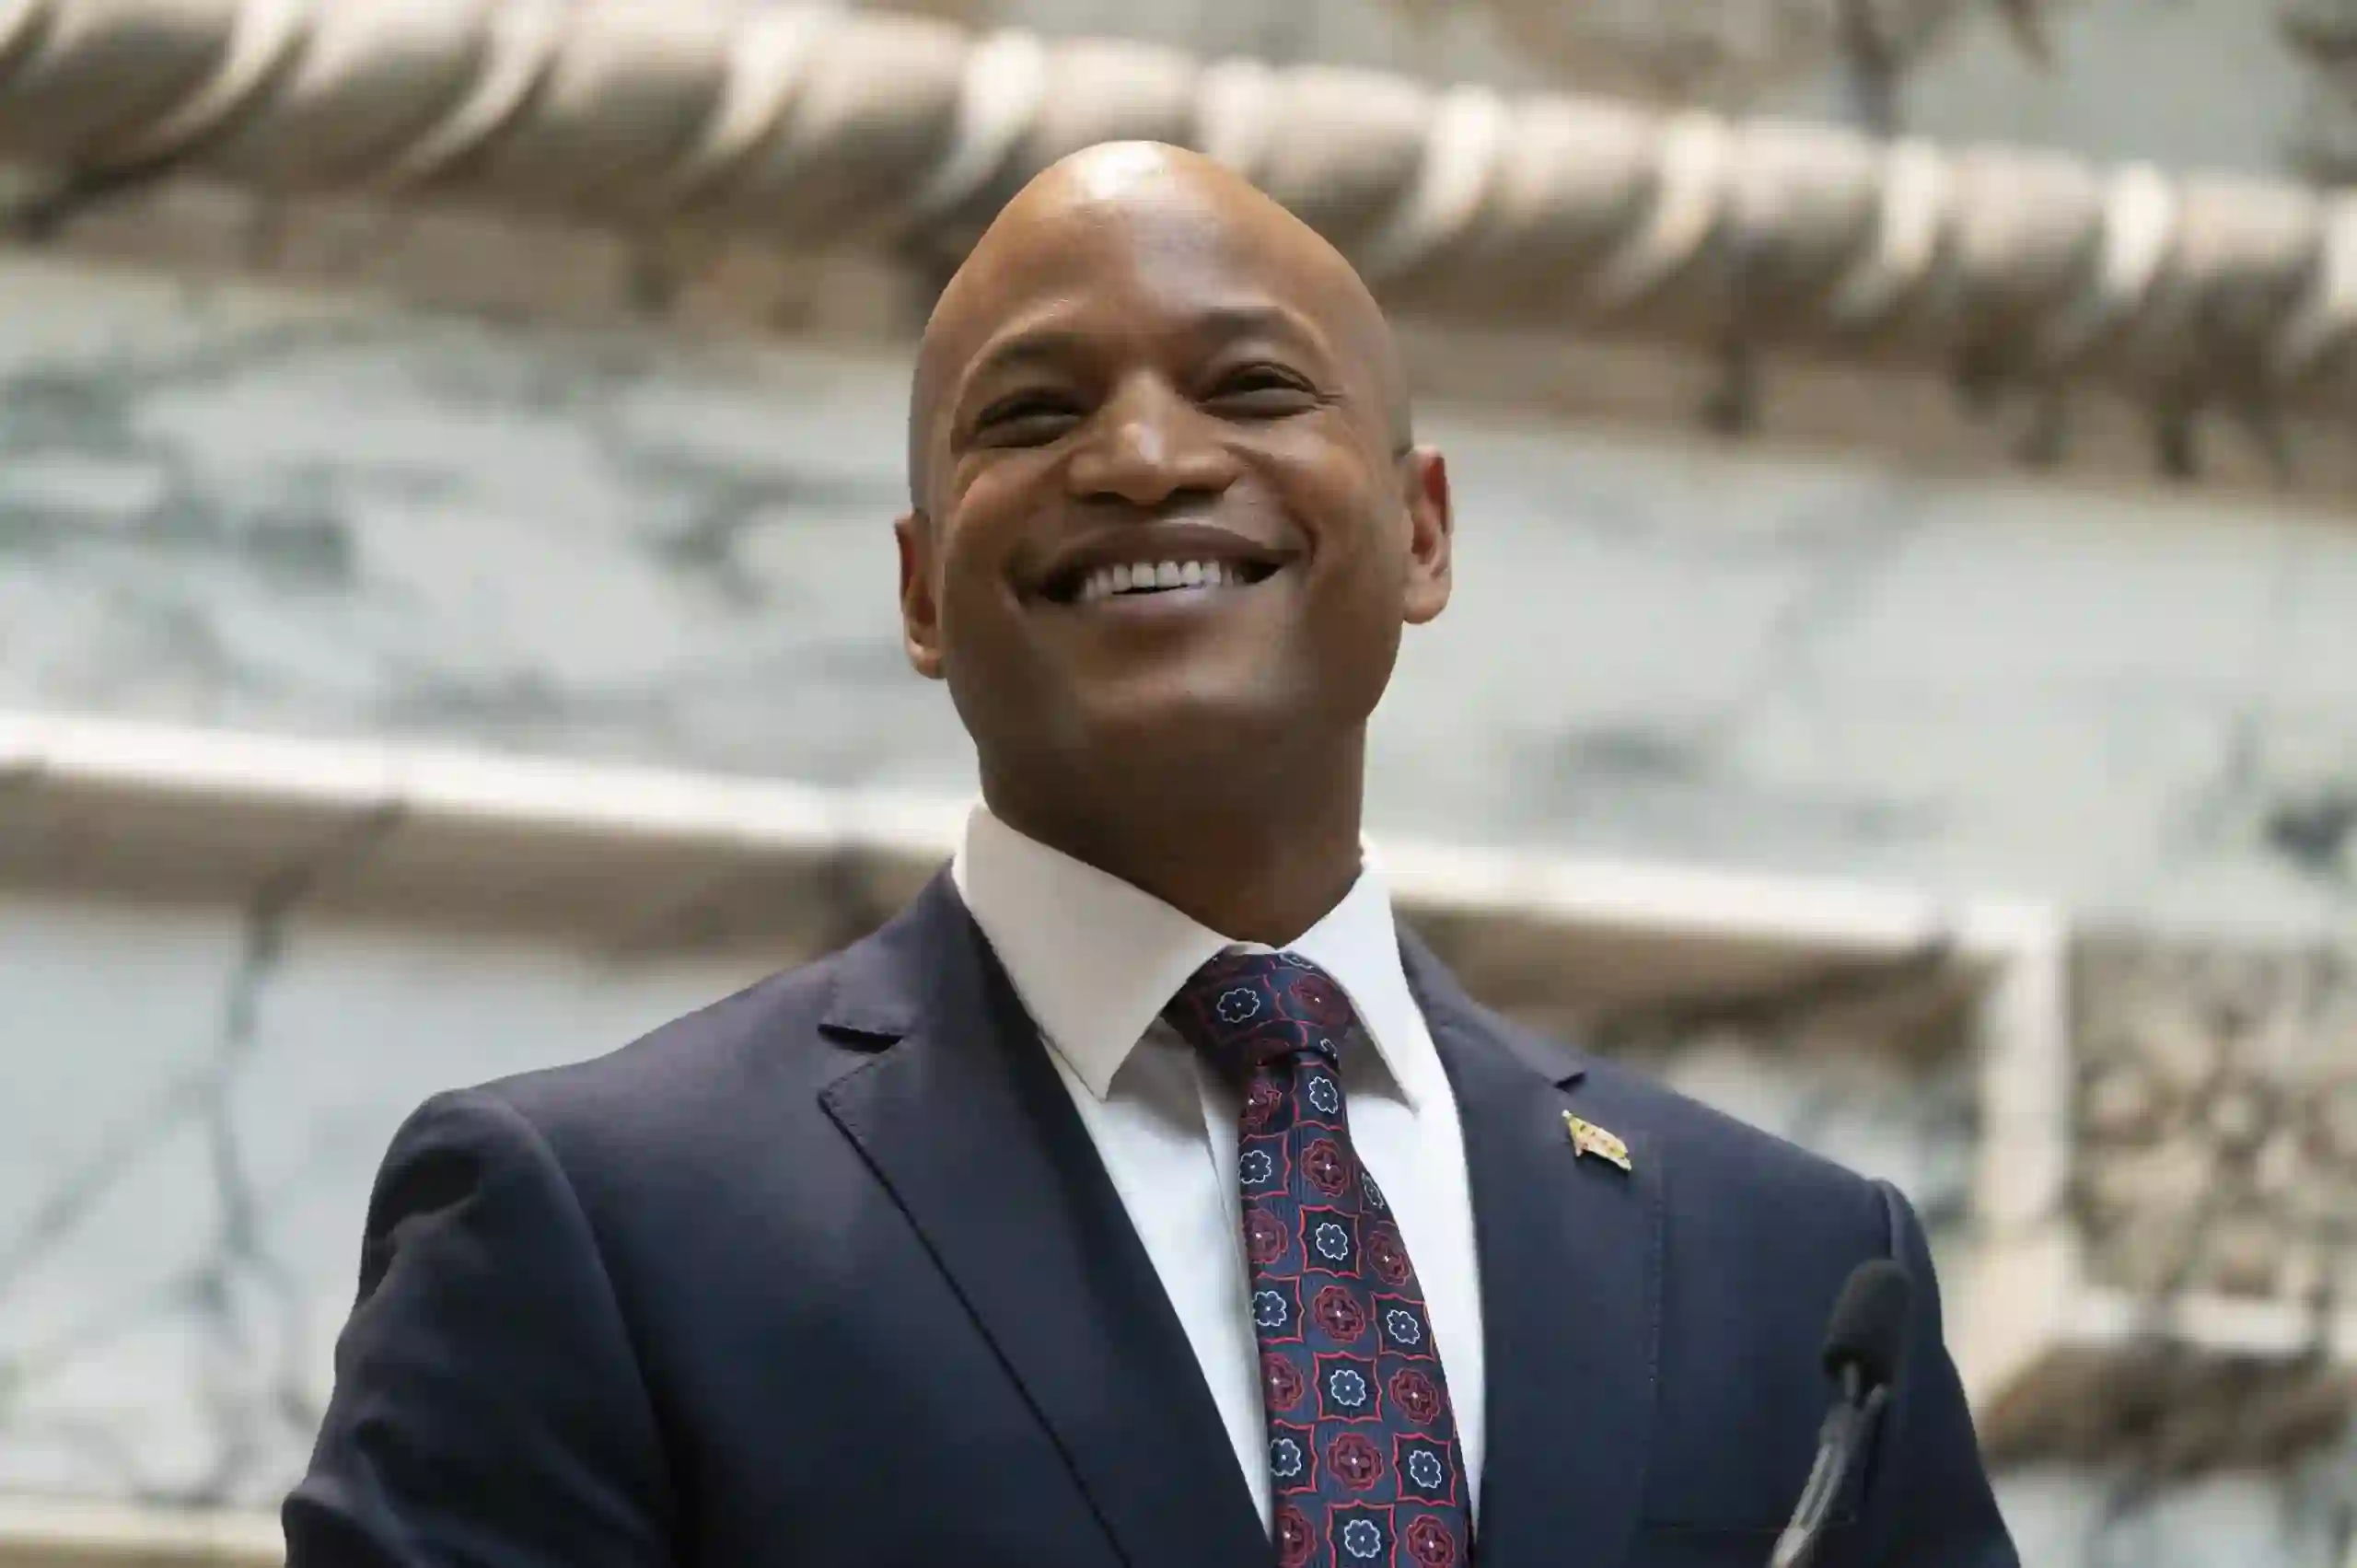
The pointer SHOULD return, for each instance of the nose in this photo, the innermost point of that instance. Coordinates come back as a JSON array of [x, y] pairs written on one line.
[[1148, 446]]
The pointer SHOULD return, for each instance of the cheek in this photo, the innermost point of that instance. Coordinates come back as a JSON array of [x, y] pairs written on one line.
[[983, 535], [1337, 486], [1358, 586], [1357, 529], [997, 491]]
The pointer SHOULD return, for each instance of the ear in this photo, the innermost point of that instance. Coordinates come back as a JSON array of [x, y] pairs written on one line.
[[920, 602], [1432, 534]]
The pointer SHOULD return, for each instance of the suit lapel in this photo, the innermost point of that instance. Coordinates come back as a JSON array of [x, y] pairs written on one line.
[[1570, 1250], [962, 1117]]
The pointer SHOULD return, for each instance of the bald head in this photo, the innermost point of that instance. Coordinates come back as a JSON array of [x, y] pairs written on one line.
[[1168, 531], [1125, 214]]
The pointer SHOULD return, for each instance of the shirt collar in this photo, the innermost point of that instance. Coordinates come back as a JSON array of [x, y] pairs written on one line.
[[1096, 959]]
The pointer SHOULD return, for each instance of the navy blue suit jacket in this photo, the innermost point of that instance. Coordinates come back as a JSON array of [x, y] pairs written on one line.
[[830, 1273]]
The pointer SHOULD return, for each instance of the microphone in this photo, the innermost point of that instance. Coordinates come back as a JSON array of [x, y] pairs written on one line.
[[1865, 1341]]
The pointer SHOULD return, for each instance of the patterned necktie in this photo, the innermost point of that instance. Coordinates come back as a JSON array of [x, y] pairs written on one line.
[[1363, 1446]]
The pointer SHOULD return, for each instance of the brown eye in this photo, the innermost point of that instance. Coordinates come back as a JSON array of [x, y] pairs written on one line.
[[1263, 391], [1027, 419]]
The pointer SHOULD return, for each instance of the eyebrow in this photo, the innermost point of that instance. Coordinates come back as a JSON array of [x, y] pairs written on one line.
[[1036, 345], [1050, 344]]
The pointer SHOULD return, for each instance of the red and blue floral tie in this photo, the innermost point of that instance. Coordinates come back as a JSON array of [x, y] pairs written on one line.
[[1363, 1446]]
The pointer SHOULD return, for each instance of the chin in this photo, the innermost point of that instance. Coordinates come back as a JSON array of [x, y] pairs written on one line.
[[1183, 725]]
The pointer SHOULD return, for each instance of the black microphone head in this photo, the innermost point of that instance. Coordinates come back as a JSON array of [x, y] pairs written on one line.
[[1868, 1329]]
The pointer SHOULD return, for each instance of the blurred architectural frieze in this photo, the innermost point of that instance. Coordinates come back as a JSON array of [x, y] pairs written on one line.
[[2217, 1120], [807, 129], [1727, 52], [2170, 1242], [2322, 35]]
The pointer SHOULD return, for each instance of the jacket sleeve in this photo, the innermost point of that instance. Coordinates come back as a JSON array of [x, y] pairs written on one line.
[[488, 1407], [1928, 1500]]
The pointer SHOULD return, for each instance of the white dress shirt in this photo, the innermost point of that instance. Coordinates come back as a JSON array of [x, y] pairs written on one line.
[[1095, 961]]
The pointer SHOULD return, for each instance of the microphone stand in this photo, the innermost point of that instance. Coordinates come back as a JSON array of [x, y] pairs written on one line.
[[1849, 1427]]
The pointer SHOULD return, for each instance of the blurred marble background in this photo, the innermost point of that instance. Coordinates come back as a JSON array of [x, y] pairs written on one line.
[[329, 517], [333, 517]]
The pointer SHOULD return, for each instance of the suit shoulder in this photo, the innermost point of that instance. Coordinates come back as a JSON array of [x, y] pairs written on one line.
[[1733, 1161], [1719, 1160], [756, 1045]]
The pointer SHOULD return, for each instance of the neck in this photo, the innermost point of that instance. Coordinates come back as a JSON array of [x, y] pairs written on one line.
[[1251, 871]]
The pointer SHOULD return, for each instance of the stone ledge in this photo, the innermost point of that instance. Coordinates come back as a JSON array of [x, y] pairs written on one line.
[[45, 1534], [716, 862], [2190, 1385]]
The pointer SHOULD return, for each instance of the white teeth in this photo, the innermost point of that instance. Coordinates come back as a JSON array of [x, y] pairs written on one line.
[[1106, 581]]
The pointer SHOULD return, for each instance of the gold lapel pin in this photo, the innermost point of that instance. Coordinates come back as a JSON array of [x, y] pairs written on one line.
[[1587, 1138]]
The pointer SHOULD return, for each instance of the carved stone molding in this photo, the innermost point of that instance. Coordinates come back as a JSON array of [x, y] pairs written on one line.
[[2323, 33], [817, 128], [1728, 52]]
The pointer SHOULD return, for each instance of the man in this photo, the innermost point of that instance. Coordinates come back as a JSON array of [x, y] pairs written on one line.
[[1139, 1195]]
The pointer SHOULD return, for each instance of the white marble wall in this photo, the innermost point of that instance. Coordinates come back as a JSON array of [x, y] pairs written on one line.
[[328, 517], [196, 1104], [198, 1097]]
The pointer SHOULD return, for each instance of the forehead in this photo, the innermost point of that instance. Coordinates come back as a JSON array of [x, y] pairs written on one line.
[[1156, 257]]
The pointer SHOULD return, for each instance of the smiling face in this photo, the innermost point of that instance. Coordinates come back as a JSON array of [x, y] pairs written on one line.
[[1168, 527]]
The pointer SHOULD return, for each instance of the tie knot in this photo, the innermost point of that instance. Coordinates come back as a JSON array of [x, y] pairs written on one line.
[[1248, 1010]]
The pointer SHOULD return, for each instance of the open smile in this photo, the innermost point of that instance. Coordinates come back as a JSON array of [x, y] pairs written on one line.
[[1144, 578], [1164, 566]]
